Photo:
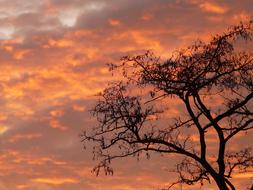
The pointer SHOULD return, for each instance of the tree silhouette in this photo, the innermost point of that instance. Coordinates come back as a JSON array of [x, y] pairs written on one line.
[[131, 113]]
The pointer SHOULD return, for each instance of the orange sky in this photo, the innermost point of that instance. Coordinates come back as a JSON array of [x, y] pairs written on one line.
[[53, 56]]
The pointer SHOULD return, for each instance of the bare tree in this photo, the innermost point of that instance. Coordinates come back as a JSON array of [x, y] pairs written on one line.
[[130, 122]]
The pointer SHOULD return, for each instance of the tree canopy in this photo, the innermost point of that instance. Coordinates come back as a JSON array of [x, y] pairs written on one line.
[[214, 83]]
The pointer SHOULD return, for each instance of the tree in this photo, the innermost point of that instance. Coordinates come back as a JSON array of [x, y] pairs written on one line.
[[131, 122]]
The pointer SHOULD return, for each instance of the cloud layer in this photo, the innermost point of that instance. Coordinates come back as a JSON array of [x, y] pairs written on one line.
[[53, 56]]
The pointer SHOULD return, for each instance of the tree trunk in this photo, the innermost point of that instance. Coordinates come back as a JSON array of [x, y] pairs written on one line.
[[221, 183]]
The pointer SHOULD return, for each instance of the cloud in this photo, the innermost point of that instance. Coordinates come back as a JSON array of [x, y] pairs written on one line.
[[2, 186], [19, 137], [55, 181], [35, 186], [53, 62], [246, 175], [212, 8], [3, 129]]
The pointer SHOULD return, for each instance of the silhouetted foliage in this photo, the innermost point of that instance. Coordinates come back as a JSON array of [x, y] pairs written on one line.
[[220, 71]]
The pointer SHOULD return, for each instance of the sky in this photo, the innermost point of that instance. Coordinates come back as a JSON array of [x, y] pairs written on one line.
[[53, 56]]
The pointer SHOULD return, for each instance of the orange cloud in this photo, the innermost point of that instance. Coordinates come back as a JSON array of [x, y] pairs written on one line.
[[3, 116], [54, 123], [47, 69], [78, 108], [147, 16], [49, 8], [243, 16], [59, 43], [246, 175], [57, 113], [20, 54], [212, 8], [55, 181], [19, 137], [3, 129], [22, 186], [8, 48], [114, 22]]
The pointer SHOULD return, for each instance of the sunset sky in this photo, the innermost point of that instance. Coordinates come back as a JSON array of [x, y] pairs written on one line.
[[53, 56]]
